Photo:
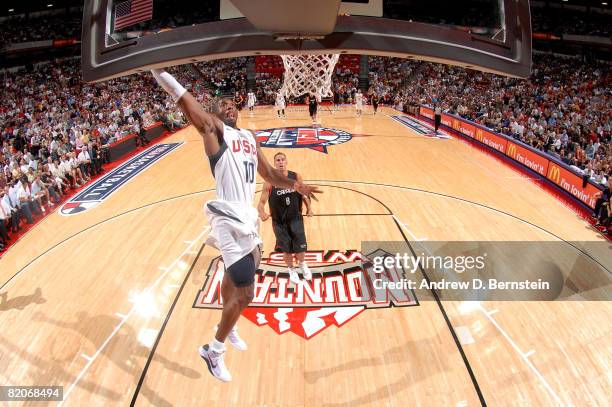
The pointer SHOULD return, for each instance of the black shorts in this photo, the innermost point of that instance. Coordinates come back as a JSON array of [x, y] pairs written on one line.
[[242, 273], [290, 235], [312, 109]]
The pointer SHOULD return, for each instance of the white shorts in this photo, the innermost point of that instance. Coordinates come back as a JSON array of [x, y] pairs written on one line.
[[234, 229]]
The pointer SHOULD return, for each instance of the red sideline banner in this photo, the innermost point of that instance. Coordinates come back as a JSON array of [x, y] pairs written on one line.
[[427, 112], [491, 139], [57, 43], [528, 158], [572, 183], [463, 127], [535, 161]]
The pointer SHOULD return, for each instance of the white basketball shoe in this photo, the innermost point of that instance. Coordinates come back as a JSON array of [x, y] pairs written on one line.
[[305, 271], [216, 364], [293, 276]]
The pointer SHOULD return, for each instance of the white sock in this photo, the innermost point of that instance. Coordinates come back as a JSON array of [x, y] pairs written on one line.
[[217, 346]]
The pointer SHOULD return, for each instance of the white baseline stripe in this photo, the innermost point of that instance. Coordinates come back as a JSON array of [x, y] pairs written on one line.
[[523, 356], [418, 239]]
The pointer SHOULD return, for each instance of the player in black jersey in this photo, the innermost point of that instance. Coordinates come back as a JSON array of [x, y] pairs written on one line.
[[238, 101], [312, 107], [375, 101], [287, 221]]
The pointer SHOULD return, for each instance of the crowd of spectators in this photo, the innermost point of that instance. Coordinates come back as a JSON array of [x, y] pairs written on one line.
[[387, 77], [54, 130], [564, 108], [267, 86], [225, 76], [561, 21], [20, 29], [344, 84]]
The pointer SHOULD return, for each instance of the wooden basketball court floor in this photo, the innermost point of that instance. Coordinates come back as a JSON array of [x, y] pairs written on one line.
[[101, 303]]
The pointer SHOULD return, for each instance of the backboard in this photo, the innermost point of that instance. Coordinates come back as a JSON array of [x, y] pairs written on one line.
[[489, 35]]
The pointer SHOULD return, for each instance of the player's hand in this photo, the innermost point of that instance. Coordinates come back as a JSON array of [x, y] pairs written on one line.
[[307, 190], [264, 216], [309, 213]]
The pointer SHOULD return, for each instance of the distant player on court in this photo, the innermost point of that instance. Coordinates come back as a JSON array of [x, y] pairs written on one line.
[[287, 220], [312, 107], [234, 155], [238, 100], [251, 100], [359, 102], [375, 101], [280, 104]]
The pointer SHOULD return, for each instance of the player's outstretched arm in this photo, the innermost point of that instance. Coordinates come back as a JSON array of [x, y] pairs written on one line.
[[209, 126], [261, 207], [306, 199], [277, 178]]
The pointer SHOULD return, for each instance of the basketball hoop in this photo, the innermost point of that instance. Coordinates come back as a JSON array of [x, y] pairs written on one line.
[[308, 74]]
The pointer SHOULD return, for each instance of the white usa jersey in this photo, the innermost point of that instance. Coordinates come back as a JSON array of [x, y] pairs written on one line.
[[280, 101], [235, 166], [251, 99], [232, 217]]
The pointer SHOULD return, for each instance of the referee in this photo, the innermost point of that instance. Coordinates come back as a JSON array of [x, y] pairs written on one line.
[[437, 117]]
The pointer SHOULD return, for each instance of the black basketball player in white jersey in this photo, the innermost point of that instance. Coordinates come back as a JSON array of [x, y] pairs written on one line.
[[287, 220], [234, 156]]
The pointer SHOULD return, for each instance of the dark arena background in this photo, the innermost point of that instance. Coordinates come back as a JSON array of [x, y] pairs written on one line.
[[459, 250]]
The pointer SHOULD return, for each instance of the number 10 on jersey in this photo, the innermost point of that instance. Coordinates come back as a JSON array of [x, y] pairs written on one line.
[[249, 171]]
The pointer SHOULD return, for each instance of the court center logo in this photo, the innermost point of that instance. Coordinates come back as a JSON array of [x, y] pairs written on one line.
[[342, 286], [315, 138], [97, 192]]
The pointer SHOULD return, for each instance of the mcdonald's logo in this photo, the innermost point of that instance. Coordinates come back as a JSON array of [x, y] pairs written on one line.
[[512, 150], [479, 135], [555, 174]]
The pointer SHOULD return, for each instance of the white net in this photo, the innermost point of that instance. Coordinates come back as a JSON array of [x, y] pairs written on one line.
[[308, 74]]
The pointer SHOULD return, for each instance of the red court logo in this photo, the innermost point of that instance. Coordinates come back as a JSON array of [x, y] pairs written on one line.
[[314, 138], [342, 286]]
